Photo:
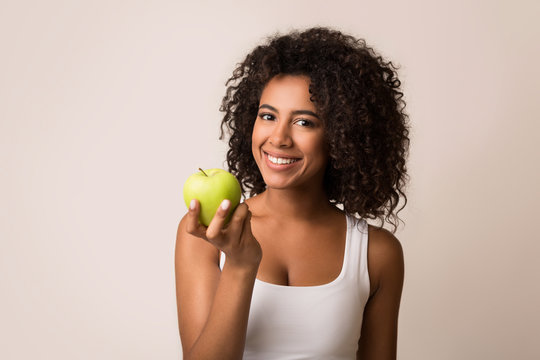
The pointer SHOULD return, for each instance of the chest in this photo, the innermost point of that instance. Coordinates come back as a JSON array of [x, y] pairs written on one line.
[[320, 322], [300, 255]]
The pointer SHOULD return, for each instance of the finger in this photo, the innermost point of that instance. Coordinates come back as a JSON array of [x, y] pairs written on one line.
[[193, 226], [216, 225], [246, 227], [237, 219]]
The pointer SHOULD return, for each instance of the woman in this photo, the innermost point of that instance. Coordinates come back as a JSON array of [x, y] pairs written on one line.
[[316, 121]]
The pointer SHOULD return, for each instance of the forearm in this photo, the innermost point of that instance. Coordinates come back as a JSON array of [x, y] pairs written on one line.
[[224, 333]]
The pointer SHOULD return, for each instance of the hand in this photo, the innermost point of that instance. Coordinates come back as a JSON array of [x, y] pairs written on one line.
[[235, 239]]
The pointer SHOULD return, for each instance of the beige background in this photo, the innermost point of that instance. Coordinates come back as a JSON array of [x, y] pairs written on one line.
[[106, 107]]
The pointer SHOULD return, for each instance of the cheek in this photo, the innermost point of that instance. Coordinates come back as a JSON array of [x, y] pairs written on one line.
[[315, 147], [258, 135], [256, 139]]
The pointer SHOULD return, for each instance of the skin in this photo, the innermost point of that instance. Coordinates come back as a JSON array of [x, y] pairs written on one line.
[[305, 247]]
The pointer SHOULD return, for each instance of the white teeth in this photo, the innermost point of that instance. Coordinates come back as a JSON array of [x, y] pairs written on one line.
[[280, 161]]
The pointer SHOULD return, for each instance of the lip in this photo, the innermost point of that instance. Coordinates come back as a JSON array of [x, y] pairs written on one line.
[[283, 156], [280, 167]]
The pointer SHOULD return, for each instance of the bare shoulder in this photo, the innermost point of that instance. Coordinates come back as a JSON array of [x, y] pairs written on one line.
[[385, 257], [382, 243], [380, 320], [254, 204]]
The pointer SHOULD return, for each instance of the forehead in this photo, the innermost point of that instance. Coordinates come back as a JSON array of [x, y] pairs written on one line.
[[288, 92]]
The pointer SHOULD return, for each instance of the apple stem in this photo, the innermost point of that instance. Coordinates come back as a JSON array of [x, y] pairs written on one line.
[[203, 172]]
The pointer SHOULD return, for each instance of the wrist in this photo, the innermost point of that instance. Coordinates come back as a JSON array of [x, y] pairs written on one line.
[[243, 270]]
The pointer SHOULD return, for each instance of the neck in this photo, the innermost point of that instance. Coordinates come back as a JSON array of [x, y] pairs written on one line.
[[296, 204]]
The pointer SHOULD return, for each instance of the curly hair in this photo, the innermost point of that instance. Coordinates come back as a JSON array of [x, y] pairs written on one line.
[[357, 95]]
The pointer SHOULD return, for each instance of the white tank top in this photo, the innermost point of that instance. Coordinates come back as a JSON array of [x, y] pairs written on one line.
[[312, 322]]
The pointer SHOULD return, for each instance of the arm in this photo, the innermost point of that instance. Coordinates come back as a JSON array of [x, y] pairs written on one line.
[[213, 306], [380, 323]]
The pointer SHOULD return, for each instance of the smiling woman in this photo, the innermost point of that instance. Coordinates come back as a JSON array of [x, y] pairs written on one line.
[[286, 117], [316, 121]]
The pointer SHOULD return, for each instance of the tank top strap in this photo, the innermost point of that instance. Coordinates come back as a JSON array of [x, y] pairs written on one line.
[[357, 269], [221, 259]]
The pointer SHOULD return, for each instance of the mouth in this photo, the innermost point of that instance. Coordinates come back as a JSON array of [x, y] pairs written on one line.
[[280, 162]]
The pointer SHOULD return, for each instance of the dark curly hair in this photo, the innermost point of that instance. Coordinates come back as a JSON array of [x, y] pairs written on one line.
[[357, 95]]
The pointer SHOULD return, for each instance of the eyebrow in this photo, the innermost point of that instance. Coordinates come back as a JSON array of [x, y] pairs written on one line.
[[295, 112]]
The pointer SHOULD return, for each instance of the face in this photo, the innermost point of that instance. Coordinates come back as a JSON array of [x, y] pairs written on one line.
[[288, 136]]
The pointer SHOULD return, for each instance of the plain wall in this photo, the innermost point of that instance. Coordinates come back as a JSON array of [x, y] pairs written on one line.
[[106, 107]]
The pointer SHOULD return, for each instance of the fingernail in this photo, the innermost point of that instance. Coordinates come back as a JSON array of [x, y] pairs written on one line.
[[225, 205], [192, 204]]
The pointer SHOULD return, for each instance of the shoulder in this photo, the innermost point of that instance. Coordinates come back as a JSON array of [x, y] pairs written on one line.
[[254, 204], [385, 257], [383, 244]]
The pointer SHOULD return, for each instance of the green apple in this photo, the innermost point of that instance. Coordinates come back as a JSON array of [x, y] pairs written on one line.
[[211, 187]]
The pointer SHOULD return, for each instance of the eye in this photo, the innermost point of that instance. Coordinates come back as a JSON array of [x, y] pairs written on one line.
[[304, 123], [266, 116]]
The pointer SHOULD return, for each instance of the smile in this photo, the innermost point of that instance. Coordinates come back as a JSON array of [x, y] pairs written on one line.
[[280, 162]]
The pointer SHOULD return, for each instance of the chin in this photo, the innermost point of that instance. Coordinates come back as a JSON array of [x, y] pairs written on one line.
[[278, 184]]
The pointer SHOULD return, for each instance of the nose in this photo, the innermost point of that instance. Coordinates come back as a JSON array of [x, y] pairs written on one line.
[[280, 136]]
